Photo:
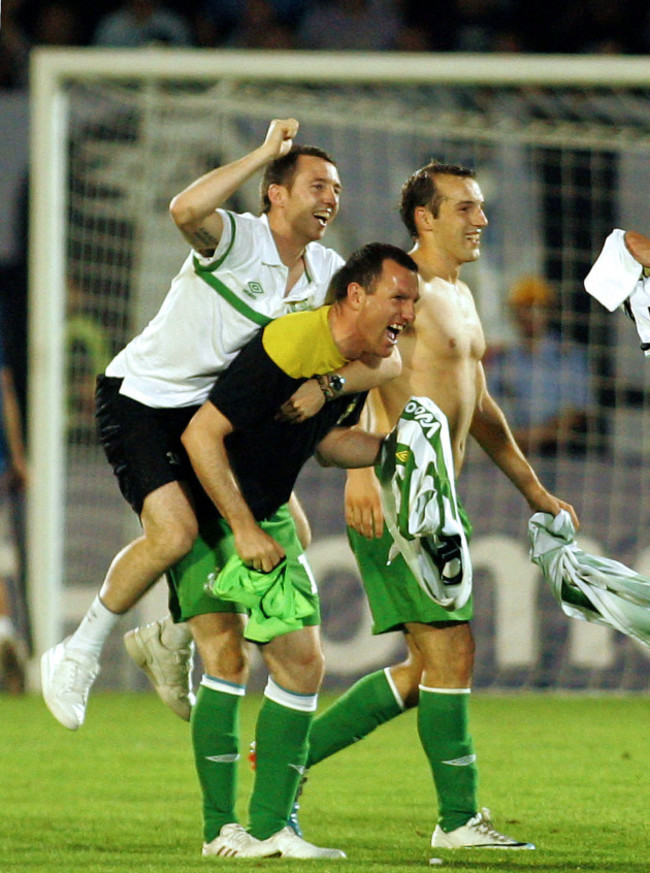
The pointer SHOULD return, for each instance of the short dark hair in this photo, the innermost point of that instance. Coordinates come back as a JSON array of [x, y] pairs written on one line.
[[365, 267], [282, 170], [420, 190]]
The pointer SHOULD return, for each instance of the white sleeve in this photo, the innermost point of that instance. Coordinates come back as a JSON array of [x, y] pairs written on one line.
[[236, 242], [614, 274]]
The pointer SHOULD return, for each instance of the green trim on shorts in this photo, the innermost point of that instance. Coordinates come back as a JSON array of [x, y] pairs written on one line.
[[394, 595], [210, 552]]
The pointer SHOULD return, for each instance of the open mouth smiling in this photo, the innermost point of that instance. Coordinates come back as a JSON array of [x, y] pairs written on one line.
[[394, 331], [322, 218]]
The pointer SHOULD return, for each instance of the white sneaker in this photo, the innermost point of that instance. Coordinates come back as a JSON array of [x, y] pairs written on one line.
[[288, 844], [235, 842], [477, 833], [169, 670], [67, 676]]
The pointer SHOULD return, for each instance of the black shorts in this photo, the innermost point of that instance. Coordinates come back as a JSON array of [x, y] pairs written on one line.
[[143, 445]]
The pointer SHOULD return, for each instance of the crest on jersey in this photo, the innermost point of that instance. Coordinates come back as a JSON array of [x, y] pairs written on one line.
[[253, 289]]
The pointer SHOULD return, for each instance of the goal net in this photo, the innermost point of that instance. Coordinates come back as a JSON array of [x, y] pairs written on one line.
[[561, 147]]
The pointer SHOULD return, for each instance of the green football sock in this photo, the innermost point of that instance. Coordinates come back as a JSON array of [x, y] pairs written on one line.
[[444, 734], [281, 739], [368, 703], [215, 732]]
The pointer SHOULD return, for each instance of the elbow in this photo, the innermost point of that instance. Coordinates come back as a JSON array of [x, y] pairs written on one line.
[[176, 211], [180, 213]]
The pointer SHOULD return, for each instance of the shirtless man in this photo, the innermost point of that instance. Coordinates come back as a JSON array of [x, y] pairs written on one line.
[[442, 208]]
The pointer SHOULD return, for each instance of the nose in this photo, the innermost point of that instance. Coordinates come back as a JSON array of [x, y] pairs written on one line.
[[480, 218], [331, 197], [408, 311]]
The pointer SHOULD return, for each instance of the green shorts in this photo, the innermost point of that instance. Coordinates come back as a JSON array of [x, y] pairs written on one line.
[[393, 592], [212, 548]]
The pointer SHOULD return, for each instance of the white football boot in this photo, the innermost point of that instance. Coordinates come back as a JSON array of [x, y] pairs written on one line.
[[288, 844], [67, 676], [235, 842], [477, 833]]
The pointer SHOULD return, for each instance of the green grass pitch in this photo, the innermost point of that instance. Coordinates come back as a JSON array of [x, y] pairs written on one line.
[[570, 773]]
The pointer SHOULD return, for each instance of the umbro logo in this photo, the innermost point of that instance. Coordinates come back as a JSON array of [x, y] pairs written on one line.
[[403, 455], [253, 289]]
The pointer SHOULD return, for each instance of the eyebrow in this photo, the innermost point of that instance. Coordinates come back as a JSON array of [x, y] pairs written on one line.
[[467, 202], [328, 181]]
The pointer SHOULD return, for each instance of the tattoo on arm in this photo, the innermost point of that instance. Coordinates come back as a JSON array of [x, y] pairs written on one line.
[[203, 240]]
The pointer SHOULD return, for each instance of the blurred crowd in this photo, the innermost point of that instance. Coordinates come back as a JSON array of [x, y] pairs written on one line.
[[552, 26]]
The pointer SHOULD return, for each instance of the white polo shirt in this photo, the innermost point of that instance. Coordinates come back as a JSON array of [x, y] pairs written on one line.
[[213, 307]]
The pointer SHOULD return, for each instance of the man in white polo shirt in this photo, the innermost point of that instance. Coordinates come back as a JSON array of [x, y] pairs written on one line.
[[243, 271]]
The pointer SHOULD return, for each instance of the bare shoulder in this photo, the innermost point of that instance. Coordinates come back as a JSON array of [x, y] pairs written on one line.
[[432, 291], [441, 297]]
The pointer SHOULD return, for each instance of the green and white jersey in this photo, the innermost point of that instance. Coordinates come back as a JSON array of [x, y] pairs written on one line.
[[213, 307]]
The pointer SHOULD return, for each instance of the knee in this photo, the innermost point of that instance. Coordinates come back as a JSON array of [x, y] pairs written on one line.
[[302, 674], [226, 659], [312, 666], [174, 541], [465, 648], [233, 660], [460, 656]]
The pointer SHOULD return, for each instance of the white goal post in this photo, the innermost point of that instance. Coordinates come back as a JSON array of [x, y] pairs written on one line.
[[561, 145]]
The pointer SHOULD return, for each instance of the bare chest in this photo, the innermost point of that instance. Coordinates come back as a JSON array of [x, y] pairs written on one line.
[[445, 333]]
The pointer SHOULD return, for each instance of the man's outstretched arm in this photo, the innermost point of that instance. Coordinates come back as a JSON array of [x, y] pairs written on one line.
[[349, 447], [194, 209]]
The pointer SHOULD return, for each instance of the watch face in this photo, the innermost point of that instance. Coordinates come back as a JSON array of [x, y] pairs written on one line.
[[336, 382]]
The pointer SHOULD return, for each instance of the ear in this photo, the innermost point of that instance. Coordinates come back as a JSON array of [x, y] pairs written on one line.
[[277, 194], [356, 295], [423, 218]]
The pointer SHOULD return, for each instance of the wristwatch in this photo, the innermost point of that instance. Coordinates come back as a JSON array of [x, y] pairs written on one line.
[[337, 383], [331, 384]]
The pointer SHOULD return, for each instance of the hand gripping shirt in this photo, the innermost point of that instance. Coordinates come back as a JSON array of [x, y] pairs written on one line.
[[589, 587], [213, 307]]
